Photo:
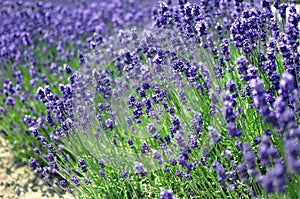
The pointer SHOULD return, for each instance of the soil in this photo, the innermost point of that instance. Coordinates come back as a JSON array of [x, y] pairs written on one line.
[[17, 181]]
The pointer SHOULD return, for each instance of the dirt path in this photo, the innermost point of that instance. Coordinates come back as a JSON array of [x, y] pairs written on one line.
[[19, 182]]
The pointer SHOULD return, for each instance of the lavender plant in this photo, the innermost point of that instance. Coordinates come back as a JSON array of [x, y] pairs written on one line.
[[201, 102], [37, 40]]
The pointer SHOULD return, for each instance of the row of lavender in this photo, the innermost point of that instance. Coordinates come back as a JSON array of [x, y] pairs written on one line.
[[201, 101], [37, 39]]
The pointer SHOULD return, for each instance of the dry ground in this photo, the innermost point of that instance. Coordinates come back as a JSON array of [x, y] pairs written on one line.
[[17, 181]]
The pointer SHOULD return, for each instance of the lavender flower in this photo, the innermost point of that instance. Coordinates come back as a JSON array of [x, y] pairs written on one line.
[[220, 172], [242, 172], [249, 156], [33, 163], [166, 194], [292, 151], [201, 28], [214, 135], [140, 169], [197, 122]]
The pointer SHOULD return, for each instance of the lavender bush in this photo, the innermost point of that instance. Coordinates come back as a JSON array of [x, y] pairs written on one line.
[[37, 39], [168, 100]]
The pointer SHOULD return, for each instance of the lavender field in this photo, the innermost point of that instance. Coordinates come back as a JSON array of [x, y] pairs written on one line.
[[139, 99]]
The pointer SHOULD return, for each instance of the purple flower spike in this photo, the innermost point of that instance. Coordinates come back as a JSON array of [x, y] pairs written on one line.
[[33, 163], [220, 172], [201, 28], [68, 69], [292, 149], [242, 172], [101, 164], [249, 156], [81, 162], [197, 122], [214, 135], [140, 169], [166, 194], [75, 180], [87, 181], [275, 179]]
